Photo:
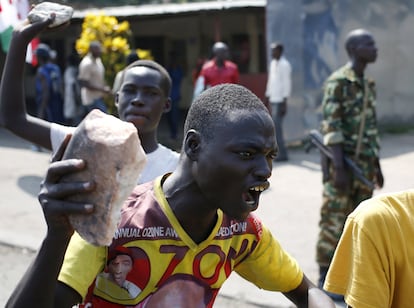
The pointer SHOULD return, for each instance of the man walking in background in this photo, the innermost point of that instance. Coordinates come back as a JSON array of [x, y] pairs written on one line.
[[49, 87], [278, 90], [92, 79]]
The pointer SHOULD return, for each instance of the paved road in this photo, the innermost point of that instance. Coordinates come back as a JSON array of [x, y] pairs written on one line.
[[290, 208]]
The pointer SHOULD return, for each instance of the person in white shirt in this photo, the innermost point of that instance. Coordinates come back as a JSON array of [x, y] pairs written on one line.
[[143, 98], [72, 103], [278, 90], [91, 77]]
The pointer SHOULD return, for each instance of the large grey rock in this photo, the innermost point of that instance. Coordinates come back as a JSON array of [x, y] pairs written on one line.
[[114, 158], [43, 10]]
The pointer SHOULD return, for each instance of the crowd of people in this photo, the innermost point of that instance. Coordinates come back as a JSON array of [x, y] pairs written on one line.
[[230, 140]]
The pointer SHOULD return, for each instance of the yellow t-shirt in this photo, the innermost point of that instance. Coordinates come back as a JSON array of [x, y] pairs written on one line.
[[162, 252], [373, 265]]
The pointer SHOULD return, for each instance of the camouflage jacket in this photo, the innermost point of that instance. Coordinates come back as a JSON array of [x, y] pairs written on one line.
[[342, 107]]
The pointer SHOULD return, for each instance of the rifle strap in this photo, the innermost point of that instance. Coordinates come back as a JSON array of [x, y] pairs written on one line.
[[362, 123]]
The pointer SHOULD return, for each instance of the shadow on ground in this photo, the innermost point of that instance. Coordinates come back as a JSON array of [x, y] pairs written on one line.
[[30, 184]]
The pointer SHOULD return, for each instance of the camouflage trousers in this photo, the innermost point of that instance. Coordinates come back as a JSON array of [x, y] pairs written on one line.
[[336, 206]]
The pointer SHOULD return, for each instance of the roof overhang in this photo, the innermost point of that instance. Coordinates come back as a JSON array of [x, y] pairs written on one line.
[[167, 9]]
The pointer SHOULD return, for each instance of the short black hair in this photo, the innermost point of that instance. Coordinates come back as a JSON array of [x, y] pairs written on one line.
[[131, 57], [165, 77], [277, 45], [212, 106], [353, 38], [95, 44], [43, 52]]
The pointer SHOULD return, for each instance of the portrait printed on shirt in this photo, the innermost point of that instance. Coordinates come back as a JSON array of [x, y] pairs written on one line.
[[113, 283], [121, 284]]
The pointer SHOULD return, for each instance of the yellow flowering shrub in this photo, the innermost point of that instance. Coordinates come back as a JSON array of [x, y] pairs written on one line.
[[114, 37]]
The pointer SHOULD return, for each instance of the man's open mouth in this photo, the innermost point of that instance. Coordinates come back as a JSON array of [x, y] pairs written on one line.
[[251, 197]]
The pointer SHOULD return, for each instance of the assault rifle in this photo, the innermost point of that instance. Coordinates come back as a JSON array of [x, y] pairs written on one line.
[[316, 139]]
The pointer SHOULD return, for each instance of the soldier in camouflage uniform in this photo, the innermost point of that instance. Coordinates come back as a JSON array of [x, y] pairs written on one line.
[[345, 94]]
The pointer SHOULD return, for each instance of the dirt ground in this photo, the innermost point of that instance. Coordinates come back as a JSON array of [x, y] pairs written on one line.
[[13, 263]]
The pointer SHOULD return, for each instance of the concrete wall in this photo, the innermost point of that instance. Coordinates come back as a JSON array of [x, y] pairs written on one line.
[[313, 32]]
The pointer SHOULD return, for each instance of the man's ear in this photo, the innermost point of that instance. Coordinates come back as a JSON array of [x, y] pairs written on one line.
[[116, 99], [192, 144], [167, 106]]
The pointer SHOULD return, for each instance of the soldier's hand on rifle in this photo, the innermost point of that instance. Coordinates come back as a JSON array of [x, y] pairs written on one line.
[[379, 178], [340, 172], [340, 178]]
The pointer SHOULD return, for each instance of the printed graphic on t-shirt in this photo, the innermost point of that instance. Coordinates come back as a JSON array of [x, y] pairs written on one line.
[[152, 259]]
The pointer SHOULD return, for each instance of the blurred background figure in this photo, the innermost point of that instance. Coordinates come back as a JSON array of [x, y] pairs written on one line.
[[72, 104], [197, 69], [49, 87], [92, 79], [198, 81], [176, 74], [278, 88], [53, 56], [219, 69]]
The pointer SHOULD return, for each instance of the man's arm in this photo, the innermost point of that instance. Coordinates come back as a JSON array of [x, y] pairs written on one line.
[[268, 105], [85, 81], [39, 283], [308, 295], [13, 114], [87, 84]]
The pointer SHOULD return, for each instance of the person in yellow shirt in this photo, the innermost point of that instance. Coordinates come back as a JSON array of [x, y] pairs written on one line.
[[373, 265]]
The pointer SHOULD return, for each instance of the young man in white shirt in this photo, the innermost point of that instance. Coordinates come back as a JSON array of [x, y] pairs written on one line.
[[278, 90], [142, 99]]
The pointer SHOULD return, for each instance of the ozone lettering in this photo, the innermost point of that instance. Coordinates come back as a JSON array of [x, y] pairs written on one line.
[[224, 262]]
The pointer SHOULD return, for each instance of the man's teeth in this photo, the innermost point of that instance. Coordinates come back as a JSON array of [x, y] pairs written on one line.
[[258, 188]]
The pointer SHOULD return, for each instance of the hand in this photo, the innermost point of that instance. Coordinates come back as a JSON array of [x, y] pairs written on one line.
[[379, 178], [53, 193], [340, 174], [340, 179], [28, 30], [308, 295]]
